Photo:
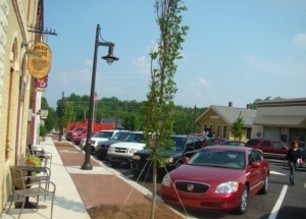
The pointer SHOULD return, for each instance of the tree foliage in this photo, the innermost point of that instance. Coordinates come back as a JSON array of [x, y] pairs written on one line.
[[159, 107], [130, 112], [254, 104], [237, 129], [51, 120]]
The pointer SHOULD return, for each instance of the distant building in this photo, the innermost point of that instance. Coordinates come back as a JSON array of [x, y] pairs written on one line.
[[219, 120], [283, 119]]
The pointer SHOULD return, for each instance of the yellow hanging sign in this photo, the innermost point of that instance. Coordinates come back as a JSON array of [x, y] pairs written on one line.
[[40, 64]]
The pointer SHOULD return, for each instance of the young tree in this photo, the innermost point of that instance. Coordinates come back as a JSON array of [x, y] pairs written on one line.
[[65, 114], [237, 128], [159, 107]]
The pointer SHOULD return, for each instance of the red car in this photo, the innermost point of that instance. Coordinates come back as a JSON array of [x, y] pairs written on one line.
[[75, 132], [271, 148], [77, 139], [220, 178]]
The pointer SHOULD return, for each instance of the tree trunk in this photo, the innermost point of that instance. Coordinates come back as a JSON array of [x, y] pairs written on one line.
[[154, 192]]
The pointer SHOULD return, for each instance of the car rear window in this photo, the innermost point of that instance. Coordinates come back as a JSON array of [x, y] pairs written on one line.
[[266, 144], [252, 142]]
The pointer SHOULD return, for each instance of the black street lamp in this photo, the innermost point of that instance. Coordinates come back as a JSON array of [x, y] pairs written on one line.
[[109, 59]]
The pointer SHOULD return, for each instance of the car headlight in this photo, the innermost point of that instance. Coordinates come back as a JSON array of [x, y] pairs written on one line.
[[166, 180], [111, 149], [227, 187], [132, 151], [136, 157], [171, 160]]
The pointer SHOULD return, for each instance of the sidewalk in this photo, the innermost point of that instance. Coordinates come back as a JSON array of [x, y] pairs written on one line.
[[78, 190]]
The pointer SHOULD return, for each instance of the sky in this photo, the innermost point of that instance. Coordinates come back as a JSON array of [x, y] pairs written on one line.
[[235, 50]]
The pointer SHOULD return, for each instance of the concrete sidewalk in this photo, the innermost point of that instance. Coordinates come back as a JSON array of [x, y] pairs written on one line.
[[78, 190], [67, 202]]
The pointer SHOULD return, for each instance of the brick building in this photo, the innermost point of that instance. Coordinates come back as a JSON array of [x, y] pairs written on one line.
[[18, 95]]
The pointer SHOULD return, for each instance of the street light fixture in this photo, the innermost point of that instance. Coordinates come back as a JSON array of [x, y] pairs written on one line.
[[109, 59]]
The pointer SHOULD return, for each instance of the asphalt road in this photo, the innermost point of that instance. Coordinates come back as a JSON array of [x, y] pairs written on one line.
[[283, 201]]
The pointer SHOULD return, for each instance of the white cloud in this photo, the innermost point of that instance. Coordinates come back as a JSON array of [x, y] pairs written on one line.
[[88, 62], [299, 40], [197, 89], [288, 67], [202, 82], [142, 64], [139, 61]]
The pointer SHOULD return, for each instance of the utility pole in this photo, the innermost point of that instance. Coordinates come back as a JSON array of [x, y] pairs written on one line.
[[61, 125], [194, 118]]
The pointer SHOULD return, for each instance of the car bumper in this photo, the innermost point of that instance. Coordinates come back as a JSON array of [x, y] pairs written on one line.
[[119, 158], [204, 201], [101, 152]]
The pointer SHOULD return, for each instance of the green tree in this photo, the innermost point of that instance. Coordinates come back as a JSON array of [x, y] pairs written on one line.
[[254, 104], [51, 120], [42, 131], [66, 114], [237, 128], [159, 107]]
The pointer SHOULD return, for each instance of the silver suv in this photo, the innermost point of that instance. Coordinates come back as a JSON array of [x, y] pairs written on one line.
[[122, 152]]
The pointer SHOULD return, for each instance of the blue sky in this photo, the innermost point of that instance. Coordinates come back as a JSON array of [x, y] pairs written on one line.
[[235, 50]]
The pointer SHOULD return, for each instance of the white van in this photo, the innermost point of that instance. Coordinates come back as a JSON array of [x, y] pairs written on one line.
[[122, 152]]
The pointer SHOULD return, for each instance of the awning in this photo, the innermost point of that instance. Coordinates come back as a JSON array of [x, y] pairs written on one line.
[[288, 121]]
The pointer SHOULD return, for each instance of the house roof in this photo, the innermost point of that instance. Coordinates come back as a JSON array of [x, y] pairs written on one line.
[[230, 114]]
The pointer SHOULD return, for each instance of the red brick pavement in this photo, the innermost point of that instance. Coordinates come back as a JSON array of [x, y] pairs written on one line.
[[97, 189]]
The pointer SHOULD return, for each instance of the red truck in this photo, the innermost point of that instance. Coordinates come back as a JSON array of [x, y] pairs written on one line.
[[271, 148], [79, 128]]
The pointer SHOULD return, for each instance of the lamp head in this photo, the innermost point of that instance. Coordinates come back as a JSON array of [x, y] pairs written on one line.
[[110, 56]]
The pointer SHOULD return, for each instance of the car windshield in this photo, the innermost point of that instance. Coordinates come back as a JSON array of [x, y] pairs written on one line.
[[135, 137], [223, 159], [179, 143], [121, 136], [103, 134]]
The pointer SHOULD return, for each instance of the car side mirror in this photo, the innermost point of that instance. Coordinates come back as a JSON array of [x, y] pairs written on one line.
[[185, 160], [255, 164]]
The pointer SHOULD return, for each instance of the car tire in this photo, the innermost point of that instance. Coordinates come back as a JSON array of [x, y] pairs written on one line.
[[244, 200], [265, 187]]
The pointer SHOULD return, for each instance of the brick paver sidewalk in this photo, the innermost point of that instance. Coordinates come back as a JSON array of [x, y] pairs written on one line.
[[98, 186]]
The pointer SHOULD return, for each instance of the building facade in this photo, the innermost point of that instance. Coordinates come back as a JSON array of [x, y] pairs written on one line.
[[219, 121], [17, 86], [283, 119]]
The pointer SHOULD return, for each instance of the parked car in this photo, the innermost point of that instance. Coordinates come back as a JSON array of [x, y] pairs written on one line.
[[233, 143], [271, 148], [184, 146], [100, 136], [122, 152], [301, 161], [214, 141], [220, 178], [77, 139], [76, 131], [83, 139], [102, 147]]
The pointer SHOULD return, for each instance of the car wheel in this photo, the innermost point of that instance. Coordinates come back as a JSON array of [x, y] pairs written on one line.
[[244, 200], [265, 187], [93, 150]]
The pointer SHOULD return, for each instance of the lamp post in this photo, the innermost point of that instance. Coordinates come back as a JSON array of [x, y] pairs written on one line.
[[109, 59]]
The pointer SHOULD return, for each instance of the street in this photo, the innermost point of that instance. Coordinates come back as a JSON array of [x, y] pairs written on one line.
[[282, 201]]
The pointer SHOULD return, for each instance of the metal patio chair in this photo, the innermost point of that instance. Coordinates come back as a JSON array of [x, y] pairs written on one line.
[[29, 186]]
